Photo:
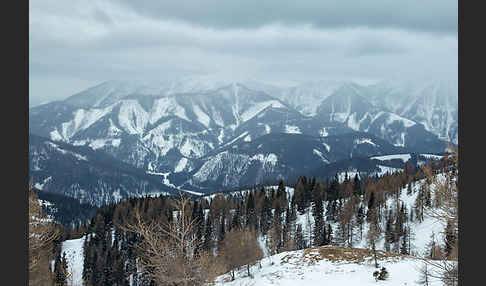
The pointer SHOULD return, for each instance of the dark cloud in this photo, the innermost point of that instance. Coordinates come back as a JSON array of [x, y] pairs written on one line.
[[101, 16], [429, 15]]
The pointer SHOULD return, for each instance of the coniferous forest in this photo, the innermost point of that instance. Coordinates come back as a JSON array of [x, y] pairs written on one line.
[[189, 240]]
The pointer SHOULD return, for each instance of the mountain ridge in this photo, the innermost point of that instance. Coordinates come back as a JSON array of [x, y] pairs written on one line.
[[177, 129]]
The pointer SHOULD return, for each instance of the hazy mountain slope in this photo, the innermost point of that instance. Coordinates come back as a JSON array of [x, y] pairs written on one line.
[[434, 104], [349, 106]]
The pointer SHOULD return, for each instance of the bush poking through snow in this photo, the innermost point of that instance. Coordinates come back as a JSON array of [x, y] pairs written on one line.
[[383, 274], [376, 274]]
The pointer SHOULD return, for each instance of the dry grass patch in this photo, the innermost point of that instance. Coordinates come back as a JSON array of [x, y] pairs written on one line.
[[338, 254]]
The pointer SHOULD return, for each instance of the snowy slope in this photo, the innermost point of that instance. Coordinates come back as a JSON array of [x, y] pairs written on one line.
[[308, 96], [309, 267], [403, 157], [433, 103], [326, 266], [74, 255]]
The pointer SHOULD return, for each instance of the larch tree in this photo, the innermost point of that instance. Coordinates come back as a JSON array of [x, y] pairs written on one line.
[[446, 213], [42, 234], [240, 248]]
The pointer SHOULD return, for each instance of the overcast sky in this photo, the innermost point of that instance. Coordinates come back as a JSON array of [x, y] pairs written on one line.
[[77, 44]]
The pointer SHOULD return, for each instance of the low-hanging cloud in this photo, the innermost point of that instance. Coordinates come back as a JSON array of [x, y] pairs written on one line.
[[74, 44]]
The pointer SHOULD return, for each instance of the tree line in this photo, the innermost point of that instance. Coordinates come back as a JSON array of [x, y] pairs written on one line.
[[190, 241]]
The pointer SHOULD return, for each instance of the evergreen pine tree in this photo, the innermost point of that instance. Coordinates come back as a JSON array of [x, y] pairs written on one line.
[[317, 212], [356, 186], [265, 215], [299, 237], [324, 236], [333, 190], [285, 229], [60, 270], [300, 195], [449, 240], [235, 222], [360, 220], [222, 230], [107, 272], [277, 227], [404, 248], [250, 212], [419, 205], [329, 234]]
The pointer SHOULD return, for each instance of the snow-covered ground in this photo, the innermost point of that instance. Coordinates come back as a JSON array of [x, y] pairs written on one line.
[[403, 157], [75, 259], [432, 156], [308, 267], [167, 182], [292, 129]]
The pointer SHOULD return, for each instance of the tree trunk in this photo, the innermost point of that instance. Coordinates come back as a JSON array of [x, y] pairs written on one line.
[[374, 254], [248, 269]]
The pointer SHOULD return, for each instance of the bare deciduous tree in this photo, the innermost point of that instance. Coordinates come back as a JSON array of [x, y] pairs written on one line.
[[167, 249], [240, 248], [42, 233], [445, 211]]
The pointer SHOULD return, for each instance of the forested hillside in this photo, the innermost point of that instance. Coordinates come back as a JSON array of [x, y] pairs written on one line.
[[134, 241]]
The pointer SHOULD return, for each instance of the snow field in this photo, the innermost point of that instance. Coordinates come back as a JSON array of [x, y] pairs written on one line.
[[300, 268], [75, 259]]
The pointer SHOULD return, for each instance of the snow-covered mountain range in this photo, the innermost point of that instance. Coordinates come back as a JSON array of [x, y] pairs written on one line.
[[87, 175], [209, 133]]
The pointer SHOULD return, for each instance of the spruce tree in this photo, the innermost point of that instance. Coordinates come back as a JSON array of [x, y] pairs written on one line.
[[250, 212], [449, 240], [333, 190], [299, 237], [222, 230], [281, 193], [300, 195], [235, 222], [356, 186], [324, 236], [419, 205], [360, 220], [277, 227], [108, 278], [329, 234], [404, 249], [60, 270], [317, 212], [265, 215]]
